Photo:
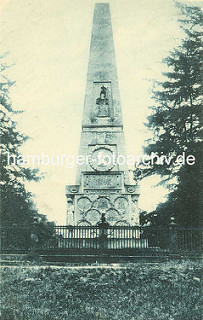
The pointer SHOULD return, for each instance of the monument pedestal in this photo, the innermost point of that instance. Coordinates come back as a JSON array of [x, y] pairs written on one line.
[[105, 193]]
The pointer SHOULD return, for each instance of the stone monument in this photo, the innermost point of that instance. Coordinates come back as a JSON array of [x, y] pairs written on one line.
[[102, 182]]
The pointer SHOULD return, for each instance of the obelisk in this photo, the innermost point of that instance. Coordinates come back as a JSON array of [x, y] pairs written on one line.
[[102, 186]]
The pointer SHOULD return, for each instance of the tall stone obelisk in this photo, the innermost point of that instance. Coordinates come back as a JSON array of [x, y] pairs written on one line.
[[102, 182]]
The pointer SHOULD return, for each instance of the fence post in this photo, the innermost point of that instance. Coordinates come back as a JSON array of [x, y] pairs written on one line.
[[173, 236], [34, 236], [103, 227]]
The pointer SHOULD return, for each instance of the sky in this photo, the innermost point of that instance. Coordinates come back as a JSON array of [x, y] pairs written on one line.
[[48, 43]]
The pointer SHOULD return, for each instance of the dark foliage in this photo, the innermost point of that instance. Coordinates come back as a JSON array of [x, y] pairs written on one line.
[[176, 123], [17, 204]]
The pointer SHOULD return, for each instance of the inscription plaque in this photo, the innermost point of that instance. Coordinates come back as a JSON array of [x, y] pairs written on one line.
[[102, 181]]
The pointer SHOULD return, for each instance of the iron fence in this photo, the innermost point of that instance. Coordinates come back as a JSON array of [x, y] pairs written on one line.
[[133, 239], [95, 237]]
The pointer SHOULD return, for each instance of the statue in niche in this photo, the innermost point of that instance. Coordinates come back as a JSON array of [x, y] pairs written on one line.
[[70, 212], [103, 103], [135, 211]]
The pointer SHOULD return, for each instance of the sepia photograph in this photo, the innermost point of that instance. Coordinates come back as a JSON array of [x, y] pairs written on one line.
[[101, 159]]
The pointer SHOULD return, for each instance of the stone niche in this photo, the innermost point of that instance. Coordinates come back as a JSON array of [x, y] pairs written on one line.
[[102, 107]]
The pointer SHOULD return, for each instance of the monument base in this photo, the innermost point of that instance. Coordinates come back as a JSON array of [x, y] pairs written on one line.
[[102, 193]]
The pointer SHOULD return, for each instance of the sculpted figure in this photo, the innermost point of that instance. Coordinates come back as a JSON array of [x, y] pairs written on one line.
[[103, 103], [70, 212]]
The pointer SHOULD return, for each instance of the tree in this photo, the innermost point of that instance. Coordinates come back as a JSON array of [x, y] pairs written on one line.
[[17, 204], [176, 123]]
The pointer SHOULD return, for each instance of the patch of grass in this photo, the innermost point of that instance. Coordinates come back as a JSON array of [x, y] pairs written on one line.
[[168, 291]]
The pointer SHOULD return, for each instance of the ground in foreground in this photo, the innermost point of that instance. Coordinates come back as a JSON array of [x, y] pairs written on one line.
[[164, 291]]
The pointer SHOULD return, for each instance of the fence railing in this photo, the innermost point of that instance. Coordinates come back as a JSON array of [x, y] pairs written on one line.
[[110, 238], [174, 239], [91, 237]]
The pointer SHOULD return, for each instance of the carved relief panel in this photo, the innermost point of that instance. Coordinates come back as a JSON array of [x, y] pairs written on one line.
[[90, 208], [102, 181], [121, 204], [84, 204], [102, 157]]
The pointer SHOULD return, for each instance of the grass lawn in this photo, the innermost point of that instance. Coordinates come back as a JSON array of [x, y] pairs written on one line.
[[164, 291]]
